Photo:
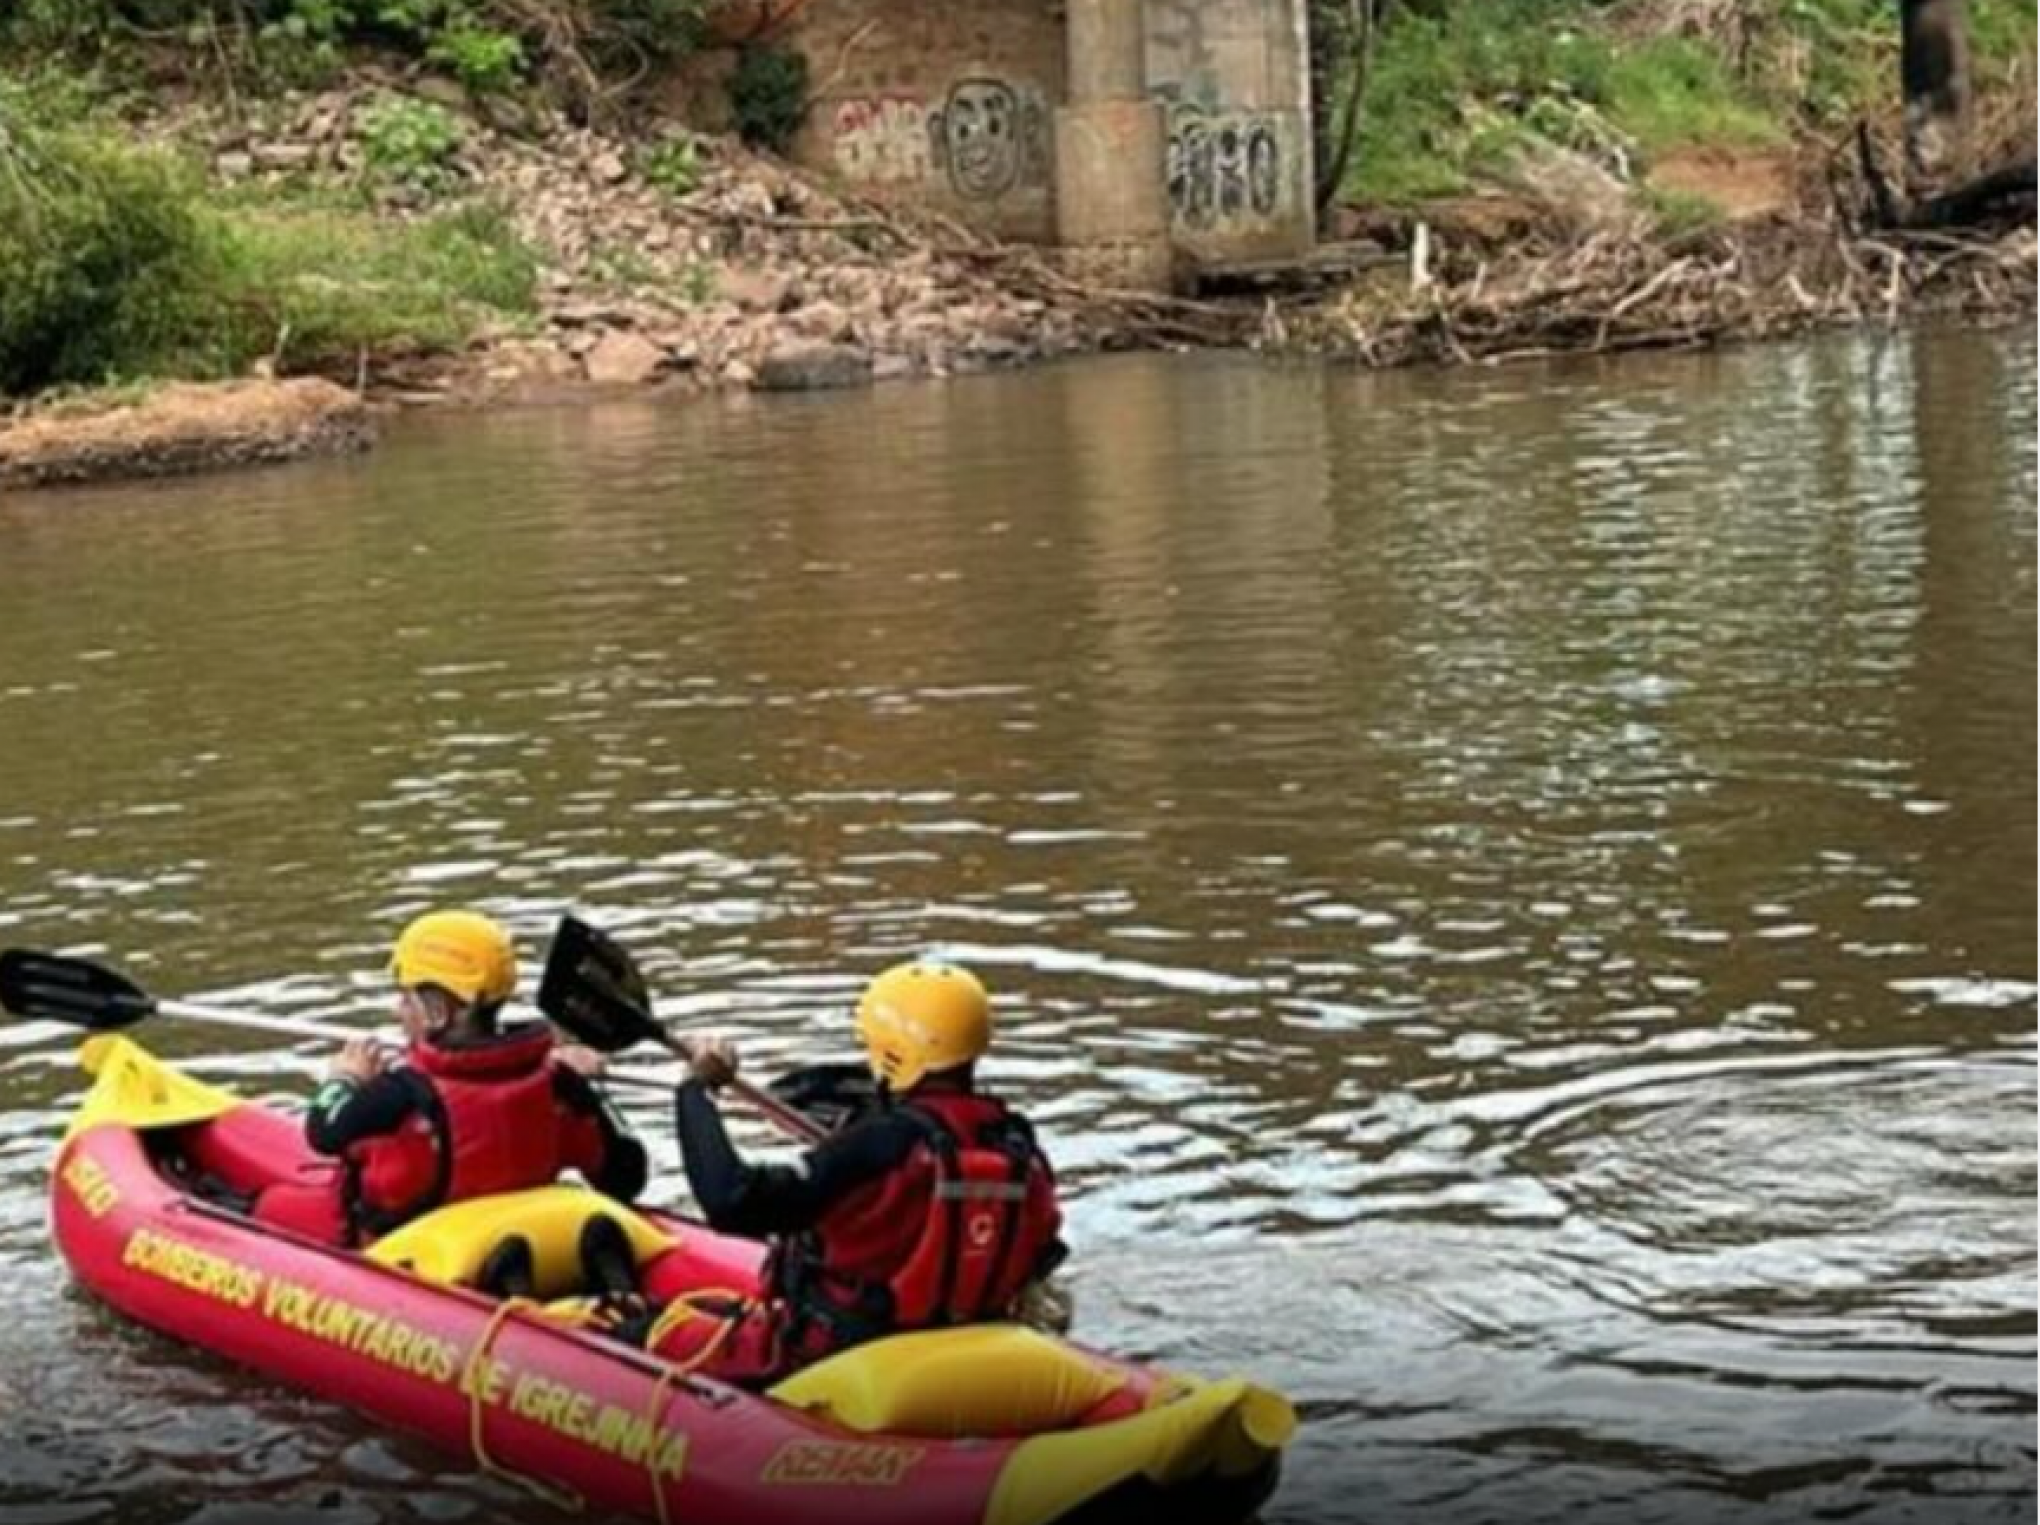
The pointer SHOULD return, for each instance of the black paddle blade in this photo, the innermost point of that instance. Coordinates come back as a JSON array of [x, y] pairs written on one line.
[[592, 989], [55, 988], [834, 1095]]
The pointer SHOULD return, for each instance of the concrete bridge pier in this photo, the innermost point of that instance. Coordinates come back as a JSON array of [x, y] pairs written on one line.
[[1112, 200]]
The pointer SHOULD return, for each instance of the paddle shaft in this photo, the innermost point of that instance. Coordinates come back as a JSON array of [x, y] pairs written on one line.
[[796, 1123]]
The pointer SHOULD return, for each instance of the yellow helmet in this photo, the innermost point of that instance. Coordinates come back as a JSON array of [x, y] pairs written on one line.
[[460, 951], [917, 1018]]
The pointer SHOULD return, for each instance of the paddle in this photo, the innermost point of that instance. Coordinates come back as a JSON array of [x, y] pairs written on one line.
[[594, 990], [58, 988]]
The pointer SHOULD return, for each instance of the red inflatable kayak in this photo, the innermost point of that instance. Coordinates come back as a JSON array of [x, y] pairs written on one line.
[[996, 1424]]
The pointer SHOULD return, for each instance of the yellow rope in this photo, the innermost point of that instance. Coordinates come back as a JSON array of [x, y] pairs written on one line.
[[681, 1309], [655, 1416], [558, 1496], [673, 1373]]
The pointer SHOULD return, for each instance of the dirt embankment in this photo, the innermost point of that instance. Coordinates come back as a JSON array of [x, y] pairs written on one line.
[[184, 427]]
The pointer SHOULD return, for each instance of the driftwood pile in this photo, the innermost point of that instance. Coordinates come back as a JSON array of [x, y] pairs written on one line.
[[1618, 291], [1857, 251]]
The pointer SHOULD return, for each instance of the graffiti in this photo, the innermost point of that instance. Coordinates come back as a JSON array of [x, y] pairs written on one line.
[[883, 140], [1224, 167], [990, 138]]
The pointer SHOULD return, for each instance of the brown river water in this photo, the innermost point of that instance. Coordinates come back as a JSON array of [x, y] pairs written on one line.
[[1511, 895]]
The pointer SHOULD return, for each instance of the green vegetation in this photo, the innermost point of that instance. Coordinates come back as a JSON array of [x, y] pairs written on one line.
[[1454, 87], [116, 264], [307, 284], [672, 164], [768, 95], [98, 245], [411, 143], [580, 49]]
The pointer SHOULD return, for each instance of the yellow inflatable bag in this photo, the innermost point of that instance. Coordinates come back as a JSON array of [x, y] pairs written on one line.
[[987, 1379], [449, 1245]]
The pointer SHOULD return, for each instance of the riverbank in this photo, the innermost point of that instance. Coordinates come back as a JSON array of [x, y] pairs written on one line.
[[417, 244], [182, 427]]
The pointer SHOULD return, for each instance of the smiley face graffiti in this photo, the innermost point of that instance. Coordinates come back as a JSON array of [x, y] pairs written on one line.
[[990, 137]]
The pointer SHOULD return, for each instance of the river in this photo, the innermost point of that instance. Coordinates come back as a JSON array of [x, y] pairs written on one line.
[[1510, 894]]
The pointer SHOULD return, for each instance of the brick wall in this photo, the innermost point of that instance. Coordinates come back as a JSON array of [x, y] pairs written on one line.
[[951, 103], [948, 103]]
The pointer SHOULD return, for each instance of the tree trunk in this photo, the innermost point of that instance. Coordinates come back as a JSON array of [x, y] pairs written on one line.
[[1934, 73], [1343, 36]]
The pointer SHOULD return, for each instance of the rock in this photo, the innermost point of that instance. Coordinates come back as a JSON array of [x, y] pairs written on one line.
[[821, 320], [809, 367], [506, 114], [1004, 323], [235, 165], [283, 156], [588, 315], [526, 364], [997, 350], [609, 167], [753, 289], [740, 373], [891, 368], [747, 198], [682, 348], [1568, 184], [623, 359], [441, 91]]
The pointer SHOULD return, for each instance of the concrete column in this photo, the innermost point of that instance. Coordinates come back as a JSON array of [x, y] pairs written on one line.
[[1105, 50], [1111, 142]]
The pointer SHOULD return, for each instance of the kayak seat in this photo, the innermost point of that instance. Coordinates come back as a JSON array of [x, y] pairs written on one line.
[[979, 1380], [451, 1245]]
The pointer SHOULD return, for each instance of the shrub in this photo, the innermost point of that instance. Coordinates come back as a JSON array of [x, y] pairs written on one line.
[[584, 50], [102, 250], [116, 263], [768, 95], [486, 61], [673, 165], [411, 142]]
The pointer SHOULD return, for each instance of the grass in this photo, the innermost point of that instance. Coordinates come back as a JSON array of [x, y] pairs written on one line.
[[308, 283], [117, 262], [1456, 90]]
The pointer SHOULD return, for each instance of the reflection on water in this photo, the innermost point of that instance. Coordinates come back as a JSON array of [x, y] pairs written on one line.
[[1512, 895]]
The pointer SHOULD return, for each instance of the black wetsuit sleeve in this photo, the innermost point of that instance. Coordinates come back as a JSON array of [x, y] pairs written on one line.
[[345, 1112], [738, 1197], [625, 1167]]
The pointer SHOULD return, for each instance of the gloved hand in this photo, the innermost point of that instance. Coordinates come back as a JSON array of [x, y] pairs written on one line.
[[359, 1060], [713, 1060], [582, 1060]]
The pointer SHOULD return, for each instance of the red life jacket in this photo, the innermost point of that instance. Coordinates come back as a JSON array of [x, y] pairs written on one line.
[[949, 1237], [485, 1120]]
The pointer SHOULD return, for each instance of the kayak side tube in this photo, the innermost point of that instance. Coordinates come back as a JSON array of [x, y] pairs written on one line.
[[579, 1420], [587, 1422]]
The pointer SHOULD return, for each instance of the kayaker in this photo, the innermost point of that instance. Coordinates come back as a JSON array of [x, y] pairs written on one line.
[[936, 1207], [473, 1107]]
